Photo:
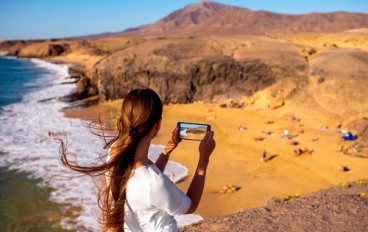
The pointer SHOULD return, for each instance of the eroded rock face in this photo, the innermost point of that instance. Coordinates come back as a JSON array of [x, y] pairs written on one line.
[[35, 48], [180, 71], [85, 87], [43, 49]]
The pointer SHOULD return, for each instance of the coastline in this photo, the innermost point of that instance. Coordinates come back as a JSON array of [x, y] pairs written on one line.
[[26, 199], [236, 160]]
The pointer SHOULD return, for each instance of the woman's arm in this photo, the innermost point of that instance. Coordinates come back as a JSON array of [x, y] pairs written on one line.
[[195, 190], [170, 146]]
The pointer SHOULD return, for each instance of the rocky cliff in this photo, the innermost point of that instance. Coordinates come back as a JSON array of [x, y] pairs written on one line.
[[35, 48], [186, 70]]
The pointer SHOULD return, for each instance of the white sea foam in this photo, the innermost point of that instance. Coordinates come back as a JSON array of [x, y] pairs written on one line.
[[24, 137]]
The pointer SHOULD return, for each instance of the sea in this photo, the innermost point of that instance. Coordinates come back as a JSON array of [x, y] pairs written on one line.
[[37, 193]]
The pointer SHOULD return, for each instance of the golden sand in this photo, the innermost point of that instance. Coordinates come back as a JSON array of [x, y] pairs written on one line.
[[236, 159]]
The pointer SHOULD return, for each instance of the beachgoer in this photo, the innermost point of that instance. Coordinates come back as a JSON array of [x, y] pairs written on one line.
[[338, 125], [138, 196], [228, 189], [264, 154], [224, 189], [344, 168], [258, 138]]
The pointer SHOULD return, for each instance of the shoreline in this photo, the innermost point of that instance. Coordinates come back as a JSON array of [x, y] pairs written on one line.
[[33, 208], [236, 160], [258, 181]]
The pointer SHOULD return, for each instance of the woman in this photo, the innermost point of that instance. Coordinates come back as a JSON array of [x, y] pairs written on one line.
[[138, 196]]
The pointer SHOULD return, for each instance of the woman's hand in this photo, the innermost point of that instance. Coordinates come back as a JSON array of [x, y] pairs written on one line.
[[207, 146], [195, 190], [173, 142]]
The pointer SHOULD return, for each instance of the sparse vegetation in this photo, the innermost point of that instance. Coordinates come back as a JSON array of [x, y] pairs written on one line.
[[312, 51], [290, 196], [273, 200], [362, 181], [320, 80], [345, 185]]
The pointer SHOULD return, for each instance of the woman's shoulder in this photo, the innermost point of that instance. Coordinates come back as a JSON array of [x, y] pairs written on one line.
[[150, 169], [147, 175], [149, 172]]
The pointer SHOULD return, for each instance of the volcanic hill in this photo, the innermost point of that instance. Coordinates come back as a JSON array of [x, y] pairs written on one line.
[[211, 18]]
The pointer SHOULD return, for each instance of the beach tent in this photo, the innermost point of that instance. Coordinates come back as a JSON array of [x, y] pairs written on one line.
[[348, 136]]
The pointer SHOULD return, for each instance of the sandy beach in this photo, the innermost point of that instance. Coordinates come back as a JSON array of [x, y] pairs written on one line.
[[236, 160]]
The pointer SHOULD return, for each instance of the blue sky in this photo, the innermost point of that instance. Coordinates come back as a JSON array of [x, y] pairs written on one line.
[[32, 19]]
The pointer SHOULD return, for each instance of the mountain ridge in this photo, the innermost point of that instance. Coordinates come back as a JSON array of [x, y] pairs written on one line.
[[212, 18]]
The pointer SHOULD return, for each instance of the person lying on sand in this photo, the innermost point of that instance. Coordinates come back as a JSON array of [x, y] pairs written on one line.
[[258, 138], [294, 143], [228, 189], [344, 168], [306, 151], [315, 139]]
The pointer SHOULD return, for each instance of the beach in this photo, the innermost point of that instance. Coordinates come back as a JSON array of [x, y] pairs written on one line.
[[236, 159]]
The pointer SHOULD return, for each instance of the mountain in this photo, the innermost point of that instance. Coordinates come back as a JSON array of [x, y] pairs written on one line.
[[211, 18]]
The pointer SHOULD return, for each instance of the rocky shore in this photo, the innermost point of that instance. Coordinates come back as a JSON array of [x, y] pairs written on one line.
[[338, 208]]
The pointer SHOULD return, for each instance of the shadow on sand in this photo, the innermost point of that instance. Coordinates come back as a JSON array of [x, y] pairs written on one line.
[[271, 157]]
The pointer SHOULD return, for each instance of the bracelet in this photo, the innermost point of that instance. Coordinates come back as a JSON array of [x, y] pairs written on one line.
[[166, 157]]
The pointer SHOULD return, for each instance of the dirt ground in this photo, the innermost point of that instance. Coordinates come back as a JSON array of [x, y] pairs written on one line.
[[333, 209]]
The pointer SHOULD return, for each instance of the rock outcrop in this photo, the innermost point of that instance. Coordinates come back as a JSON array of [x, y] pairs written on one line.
[[186, 70], [85, 87], [332, 209], [43, 50], [34, 48]]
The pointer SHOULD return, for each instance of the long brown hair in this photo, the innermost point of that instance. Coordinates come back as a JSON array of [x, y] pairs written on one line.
[[141, 110]]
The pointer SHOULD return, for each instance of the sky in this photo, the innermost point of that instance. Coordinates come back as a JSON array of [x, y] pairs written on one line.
[[40, 19]]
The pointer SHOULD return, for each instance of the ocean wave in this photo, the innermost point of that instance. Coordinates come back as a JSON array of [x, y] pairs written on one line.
[[25, 139]]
